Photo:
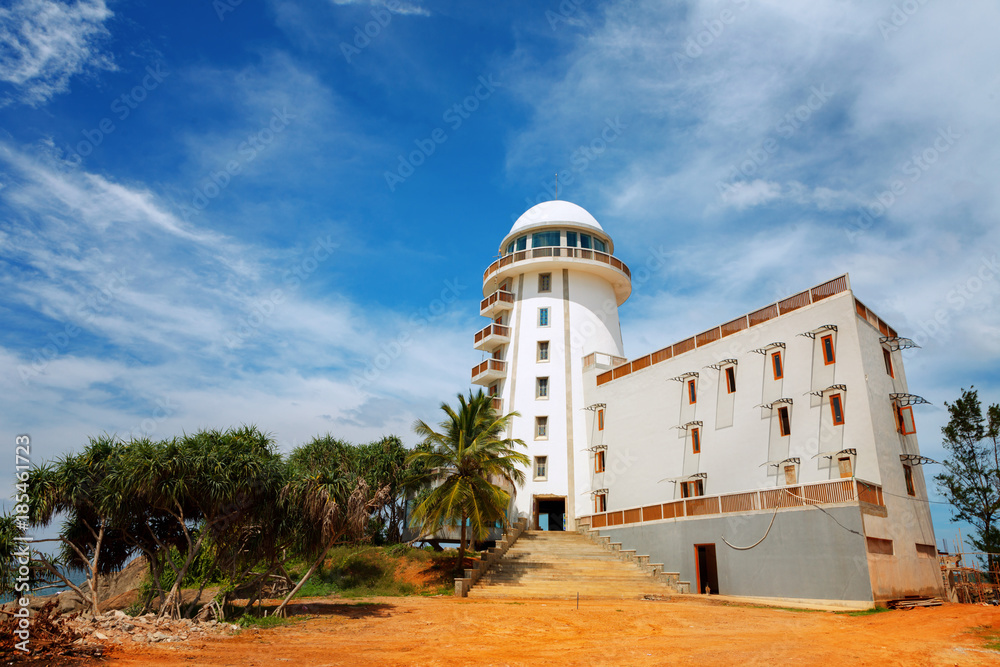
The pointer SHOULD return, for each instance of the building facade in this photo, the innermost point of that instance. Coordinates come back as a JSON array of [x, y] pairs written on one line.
[[774, 455]]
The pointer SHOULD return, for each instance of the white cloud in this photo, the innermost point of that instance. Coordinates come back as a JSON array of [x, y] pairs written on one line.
[[743, 194], [395, 6], [44, 44]]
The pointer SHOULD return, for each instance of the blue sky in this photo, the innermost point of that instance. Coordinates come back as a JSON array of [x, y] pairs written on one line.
[[276, 212]]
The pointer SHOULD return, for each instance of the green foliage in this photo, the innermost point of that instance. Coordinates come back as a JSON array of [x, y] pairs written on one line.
[[971, 477], [251, 621], [357, 572], [866, 612], [459, 465]]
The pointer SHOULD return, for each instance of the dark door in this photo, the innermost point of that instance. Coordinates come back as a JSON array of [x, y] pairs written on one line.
[[552, 514], [708, 571]]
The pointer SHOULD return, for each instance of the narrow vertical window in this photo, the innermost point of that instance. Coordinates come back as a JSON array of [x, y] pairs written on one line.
[[544, 282], [600, 419], [905, 418], [541, 467], [692, 392], [543, 350], [783, 422], [908, 476], [826, 343], [571, 239], [543, 317], [790, 476], [541, 427], [541, 387], [846, 469], [695, 440], [601, 503], [522, 243], [730, 379], [887, 356], [599, 461], [779, 371], [837, 409]]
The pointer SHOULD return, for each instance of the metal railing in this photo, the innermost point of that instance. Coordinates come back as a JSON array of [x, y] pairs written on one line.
[[500, 295], [557, 251], [827, 289], [489, 365], [820, 493], [492, 330]]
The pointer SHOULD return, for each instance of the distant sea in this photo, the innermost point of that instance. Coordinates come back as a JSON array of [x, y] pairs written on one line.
[[76, 577]]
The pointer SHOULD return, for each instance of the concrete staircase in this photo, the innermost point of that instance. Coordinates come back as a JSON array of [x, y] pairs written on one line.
[[562, 564]]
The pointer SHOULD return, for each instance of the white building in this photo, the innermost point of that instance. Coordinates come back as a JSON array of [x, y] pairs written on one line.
[[788, 430]]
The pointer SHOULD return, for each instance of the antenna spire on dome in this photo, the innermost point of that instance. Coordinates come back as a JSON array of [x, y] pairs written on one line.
[[557, 185]]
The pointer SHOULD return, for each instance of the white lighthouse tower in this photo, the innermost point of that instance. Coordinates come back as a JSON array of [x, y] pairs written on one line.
[[553, 298]]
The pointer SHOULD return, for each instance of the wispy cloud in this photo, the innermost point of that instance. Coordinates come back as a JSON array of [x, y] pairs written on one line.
[[44, 44], [395, 6]]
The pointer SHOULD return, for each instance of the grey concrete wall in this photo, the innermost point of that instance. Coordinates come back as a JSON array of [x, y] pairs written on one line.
[[807, 554]]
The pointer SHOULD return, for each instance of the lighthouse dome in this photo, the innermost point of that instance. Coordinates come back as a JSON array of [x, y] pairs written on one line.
[[555, 212]]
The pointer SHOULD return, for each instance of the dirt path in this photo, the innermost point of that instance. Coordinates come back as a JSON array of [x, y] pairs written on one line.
[[450, 631]]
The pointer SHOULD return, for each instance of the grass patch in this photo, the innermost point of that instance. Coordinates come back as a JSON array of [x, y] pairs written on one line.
[[990, 635], [865, 612], [249, 621]]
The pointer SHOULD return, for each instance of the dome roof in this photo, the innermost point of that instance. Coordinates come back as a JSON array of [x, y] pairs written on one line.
[[552, 212]]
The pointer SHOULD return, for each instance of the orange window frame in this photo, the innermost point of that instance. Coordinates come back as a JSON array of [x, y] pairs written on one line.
[[826, 345], [908, 410], [784, 421], [730, 379], [887, 356], [696, 440], [600, 503], [600, 419], [692, 489], [837, 409], [599, 462], [777, 366], [845, 470], [692, 392]]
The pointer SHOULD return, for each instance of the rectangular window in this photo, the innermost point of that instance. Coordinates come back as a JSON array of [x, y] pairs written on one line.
[[522, 243], [543, 350], [544, 282], [585, 241], [600, 419], [905, 418], [877, 545], [779, 371], [599, 245], [846, 469], [543, 317], [541, 467], [790, 476], [544, 239], [692, 392], [826, 342], [837, 408], [599, 461], [494, 389], [601, 503], [541, 427], [783, 422], [908, 476], [730, 379], [571, 239], [692, 489], [887, 356], [695, 440], [541, 387]]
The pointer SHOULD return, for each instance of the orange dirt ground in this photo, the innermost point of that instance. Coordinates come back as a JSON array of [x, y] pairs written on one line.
[[690, 630]]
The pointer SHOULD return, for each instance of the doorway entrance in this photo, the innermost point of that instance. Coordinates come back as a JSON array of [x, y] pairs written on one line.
[[550, 513], [707, 568]]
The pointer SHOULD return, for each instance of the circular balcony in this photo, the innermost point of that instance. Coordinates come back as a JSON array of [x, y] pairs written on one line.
[[602, 264]]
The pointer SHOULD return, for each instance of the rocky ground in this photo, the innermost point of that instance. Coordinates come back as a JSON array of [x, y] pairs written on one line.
[[117, 627]]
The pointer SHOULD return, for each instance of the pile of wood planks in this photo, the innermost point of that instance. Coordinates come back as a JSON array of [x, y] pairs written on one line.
[[910, 603]]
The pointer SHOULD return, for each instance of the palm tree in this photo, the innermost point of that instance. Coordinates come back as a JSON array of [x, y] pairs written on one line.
[[465, 459]]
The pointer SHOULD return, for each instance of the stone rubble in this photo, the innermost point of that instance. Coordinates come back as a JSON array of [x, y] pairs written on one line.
[[117, 627]]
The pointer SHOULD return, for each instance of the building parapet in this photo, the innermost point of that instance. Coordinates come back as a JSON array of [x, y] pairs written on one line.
[[777, 309], [821, 493]]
